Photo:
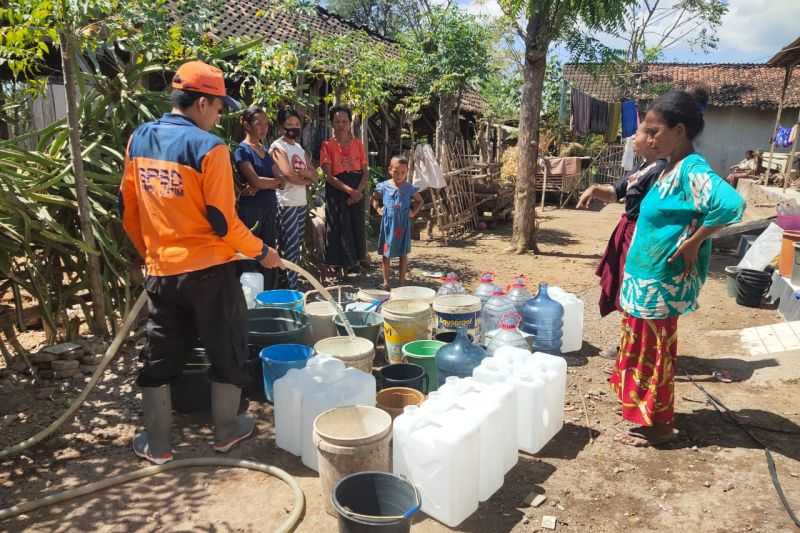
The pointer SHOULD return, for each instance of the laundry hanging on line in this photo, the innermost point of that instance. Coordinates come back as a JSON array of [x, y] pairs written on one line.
[[581, 112], [630, 118], [598, 116]]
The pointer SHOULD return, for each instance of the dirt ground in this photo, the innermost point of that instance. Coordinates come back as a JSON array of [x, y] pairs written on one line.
[[713, 479]]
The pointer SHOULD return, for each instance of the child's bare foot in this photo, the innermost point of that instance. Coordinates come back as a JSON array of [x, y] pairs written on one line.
[[385, 286]]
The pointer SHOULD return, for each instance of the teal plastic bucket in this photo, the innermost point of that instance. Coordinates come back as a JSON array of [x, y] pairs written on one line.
[[281, 299], [365, 324], [276, 361]]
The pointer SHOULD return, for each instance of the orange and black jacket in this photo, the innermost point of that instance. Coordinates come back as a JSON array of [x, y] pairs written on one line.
[[177, 199]]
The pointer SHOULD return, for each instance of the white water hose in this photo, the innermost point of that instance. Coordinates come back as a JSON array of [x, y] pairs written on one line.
[[288, 525]]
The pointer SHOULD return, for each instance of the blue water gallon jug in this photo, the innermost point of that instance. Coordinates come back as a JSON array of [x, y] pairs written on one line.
[[459, 357], [543, 318]]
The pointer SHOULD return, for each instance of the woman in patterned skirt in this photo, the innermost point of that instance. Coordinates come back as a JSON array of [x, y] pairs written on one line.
[[290, 157], [667, 264]]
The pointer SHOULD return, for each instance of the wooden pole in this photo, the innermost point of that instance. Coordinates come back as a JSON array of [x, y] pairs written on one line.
[[790, 162], [544, 182], [786, 79], [70, 70]]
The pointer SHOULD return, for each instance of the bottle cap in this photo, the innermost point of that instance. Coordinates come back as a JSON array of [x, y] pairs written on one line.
[[487, 277], [509, 321]]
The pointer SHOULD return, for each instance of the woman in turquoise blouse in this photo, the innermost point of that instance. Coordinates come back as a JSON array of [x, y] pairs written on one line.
[[667, 264]]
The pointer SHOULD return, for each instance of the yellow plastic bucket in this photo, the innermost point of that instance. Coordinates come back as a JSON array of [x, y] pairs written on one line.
[[404, 321]]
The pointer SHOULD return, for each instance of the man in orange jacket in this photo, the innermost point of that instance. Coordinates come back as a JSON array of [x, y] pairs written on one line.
[[178, 208]]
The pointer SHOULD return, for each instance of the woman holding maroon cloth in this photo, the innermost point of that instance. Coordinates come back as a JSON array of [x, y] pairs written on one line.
[[632, 187]]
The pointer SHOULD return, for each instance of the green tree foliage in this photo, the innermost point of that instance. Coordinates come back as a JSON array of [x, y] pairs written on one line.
[[362, 72], [448, 52], [500, 91], [384, 17]]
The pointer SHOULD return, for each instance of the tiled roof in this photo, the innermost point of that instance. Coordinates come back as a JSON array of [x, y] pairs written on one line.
[[253, 19], [729, 85]]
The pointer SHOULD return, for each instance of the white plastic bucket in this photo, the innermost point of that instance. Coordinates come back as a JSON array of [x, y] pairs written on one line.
[[351, 439], [320, 316], [370, 295], [419, 294], [354, 352], [455, 311], [404, 321]]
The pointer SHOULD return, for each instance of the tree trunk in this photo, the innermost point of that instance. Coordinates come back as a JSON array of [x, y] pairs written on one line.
[[524, 233], [68, 60], [446, 130]]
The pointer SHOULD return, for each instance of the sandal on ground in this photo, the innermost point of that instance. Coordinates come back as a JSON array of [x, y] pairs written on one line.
[[637, 438], [723, 376]]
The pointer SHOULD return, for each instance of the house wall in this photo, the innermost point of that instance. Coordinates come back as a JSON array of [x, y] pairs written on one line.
[[731, 131]]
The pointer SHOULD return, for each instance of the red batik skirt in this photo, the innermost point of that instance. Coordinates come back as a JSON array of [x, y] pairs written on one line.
[[644, 375], [612, 265]]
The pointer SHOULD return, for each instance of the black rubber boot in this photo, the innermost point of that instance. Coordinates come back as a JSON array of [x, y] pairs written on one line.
[[229, 428], [153, 443]]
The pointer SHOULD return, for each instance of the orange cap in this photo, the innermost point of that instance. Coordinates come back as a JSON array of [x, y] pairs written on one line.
[[200, 77]]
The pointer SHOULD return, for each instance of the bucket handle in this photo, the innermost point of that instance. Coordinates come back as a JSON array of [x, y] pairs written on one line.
[[376, 304], [337, 288]]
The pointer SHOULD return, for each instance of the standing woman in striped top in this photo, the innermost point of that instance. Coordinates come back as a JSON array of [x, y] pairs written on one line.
[[290, 157]]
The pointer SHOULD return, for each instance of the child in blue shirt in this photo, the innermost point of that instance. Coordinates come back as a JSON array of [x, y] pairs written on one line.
[[398, 202]]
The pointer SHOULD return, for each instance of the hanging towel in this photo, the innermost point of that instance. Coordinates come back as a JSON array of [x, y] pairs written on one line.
[[630, 118], [628, 156], [581, 109], [614, 111], [598, 116]]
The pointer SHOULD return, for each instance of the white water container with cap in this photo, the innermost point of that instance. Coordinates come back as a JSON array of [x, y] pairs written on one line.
[[437, 448], [518, 293], [486, 287], [540, 381], [572, 332], [493, 310], [303, 394], [490, 405], [450, 285], [506, 335]]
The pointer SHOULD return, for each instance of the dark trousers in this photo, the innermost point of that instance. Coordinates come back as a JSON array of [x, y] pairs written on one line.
[[207, 305], [263, 223]]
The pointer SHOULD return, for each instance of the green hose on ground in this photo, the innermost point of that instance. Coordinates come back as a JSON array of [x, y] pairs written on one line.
[[288, 525]]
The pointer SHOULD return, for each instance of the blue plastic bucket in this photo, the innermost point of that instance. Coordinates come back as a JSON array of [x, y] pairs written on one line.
[[281, 299], [276, 360]]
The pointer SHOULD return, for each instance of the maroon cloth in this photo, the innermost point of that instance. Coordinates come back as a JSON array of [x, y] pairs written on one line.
[[612, 266]]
